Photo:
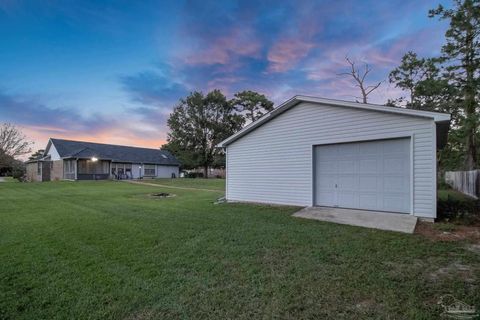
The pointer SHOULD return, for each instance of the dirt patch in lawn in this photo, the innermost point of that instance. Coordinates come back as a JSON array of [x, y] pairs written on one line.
[[161, 195], [454, 269], [448, 232]]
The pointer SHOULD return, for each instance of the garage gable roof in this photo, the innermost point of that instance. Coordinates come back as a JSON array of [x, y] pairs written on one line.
[[435, 116]]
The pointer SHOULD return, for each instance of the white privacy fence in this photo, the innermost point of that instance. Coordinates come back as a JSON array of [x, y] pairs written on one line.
[[466, 182]]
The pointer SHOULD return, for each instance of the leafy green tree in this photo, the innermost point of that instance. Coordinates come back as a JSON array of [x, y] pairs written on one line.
[[425, 84], [452, 156], [410, 75], [449, 83], [462, 57], [197, 124], [182, 153], [252, 105]]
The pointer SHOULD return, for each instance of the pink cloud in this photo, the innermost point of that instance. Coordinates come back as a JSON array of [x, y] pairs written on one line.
[[296, 43], [113, 135], [239, 42], [286, 53]]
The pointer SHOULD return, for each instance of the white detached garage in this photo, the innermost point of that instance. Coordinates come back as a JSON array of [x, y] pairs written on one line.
[[321, 152]]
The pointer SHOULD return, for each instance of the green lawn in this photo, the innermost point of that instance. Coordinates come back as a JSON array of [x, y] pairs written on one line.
[[106, 250], [452, 194], [212, 184]]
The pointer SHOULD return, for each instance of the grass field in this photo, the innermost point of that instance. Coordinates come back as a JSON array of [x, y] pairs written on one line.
[[107, 250], [452, 194], [211, 184]]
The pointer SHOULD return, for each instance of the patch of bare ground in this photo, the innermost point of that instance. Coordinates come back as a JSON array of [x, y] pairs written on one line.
[[455, 269], [475, 248], [448, 232], [367, 306]]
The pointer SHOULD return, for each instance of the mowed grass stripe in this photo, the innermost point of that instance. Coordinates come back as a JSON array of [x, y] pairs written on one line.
[[106, 250]]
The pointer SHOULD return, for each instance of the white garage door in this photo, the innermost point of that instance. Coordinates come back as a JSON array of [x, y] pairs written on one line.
[[373, 175]]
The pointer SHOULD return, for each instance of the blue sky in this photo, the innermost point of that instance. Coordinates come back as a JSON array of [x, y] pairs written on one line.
[[111, 71]]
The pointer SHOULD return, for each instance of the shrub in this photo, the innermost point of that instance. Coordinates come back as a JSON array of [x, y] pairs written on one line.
[[194, 175], [442, 184], [19, 173], [452, 205]]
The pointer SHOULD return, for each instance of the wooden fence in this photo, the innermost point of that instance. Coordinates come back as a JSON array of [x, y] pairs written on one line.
[[467, 182]]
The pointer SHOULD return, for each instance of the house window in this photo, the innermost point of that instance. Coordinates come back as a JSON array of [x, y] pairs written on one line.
[[93, 167], [39, 168], [149, 170], [69, 169]]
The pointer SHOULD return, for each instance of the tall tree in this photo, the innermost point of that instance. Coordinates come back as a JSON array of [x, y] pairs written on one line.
[[410, 73], [424, 83], [252, 105], [13, 143], [462, 55], [197, 124], [359, 76]]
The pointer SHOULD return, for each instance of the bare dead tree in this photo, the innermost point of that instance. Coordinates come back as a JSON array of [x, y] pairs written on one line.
[[13, 143], [359, 76]]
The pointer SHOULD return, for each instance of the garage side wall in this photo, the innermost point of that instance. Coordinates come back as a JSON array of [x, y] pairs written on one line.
[[273, 163]]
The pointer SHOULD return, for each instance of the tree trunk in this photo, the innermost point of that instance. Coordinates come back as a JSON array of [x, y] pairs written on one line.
[[471, 121], [471, 124], [364, 94], [471, 159], [205, 171]]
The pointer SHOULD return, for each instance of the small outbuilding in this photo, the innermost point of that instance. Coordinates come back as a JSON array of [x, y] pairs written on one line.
[[321, 152]]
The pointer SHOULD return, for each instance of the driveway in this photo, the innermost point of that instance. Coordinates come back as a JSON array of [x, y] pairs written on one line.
[[362, 218]]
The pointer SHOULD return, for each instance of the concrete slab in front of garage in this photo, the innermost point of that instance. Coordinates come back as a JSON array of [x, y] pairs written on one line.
[[361, 218]]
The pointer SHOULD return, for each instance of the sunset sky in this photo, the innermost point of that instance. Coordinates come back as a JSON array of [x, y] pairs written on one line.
[[111, 71]]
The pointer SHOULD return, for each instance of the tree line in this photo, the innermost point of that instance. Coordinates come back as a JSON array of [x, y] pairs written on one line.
[[447, 83]]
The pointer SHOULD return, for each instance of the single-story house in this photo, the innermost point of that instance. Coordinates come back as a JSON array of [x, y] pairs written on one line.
[[80, 160], [321, 152]]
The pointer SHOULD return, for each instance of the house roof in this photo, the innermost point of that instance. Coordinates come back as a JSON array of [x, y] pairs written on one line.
[[84, 150], [435, 116]]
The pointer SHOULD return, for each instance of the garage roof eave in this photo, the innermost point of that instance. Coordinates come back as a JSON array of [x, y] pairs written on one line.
[[435, 116]]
